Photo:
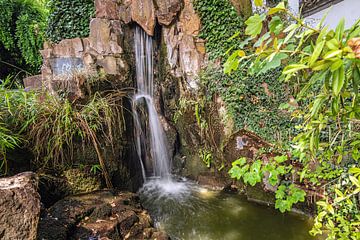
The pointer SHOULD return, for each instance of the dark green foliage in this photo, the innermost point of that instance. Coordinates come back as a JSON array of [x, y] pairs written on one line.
[[254, 102], [69, 19], [22, 27], [219, 23]]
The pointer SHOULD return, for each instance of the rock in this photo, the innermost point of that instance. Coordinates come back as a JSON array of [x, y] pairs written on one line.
[[167, 10], [100, 35], [109, 64], [143, 12], [19, 207], [99, 215], [68, 48], [108, 9], [125, 11], [189, 21], [33, 82], [242, 144]]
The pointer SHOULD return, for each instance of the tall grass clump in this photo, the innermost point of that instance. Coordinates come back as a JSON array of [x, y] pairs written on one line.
[[52, 124]]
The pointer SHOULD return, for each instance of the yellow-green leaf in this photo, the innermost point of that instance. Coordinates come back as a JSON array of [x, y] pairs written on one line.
[[317, 51], [340, 30], [254, 25], [333, 44], [294, 68], [338, 80], [278, 8], [336, 65], [333, 54]]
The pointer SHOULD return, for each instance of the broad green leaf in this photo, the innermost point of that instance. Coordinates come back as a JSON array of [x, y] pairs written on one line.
[[355, 181], [240, 162], [254, 25], [278, 8], [274, 63], [294, 68], [233, 61], [338, 80], [276, 25], [333, 44], [317, 105], [336, 65], [281, 159], [332, 54], [317, 51]]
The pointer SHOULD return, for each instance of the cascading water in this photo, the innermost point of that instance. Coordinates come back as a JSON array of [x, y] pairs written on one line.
[[151, 141], [181, 207]]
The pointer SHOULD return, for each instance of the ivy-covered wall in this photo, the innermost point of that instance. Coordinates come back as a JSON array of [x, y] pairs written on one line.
[[220, 22], [69, 19], [254, 102]]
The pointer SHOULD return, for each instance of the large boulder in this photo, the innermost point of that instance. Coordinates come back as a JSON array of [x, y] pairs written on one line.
[[19, 207]]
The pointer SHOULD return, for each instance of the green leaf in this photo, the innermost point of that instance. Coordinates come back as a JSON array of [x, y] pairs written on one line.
[[336, 65], [281, 159], [339, 31], [280, 7], [240, 162], [317, 51], [254, 25], [274, 63], [332, 54], [356, 79], [338, 80], [276, 25], [233, 62], [333, 44], [293, 68]]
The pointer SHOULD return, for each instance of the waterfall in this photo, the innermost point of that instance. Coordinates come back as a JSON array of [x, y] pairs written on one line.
[[151, 143]]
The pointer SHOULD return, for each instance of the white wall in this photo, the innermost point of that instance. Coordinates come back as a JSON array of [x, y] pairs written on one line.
[[348, 9]]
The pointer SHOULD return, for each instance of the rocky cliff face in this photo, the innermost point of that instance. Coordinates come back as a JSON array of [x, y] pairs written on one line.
[[180, 56]]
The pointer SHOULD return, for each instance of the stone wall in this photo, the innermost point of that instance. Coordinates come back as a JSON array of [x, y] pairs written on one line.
[[104, 50]]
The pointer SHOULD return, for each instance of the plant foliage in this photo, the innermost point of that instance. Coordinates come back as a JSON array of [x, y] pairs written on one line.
[[69, 19], [324, 65], [22, 27]]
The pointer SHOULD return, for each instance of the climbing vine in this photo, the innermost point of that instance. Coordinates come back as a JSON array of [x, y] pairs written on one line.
[[220, 22], [69, 19], [255, 103]]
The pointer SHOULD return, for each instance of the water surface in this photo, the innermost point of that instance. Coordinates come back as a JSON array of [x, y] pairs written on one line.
[[187, 211]]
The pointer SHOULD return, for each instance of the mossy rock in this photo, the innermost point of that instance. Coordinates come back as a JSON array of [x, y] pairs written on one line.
[[80, 182]]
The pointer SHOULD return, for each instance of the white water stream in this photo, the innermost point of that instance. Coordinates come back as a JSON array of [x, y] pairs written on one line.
[[151, 140]]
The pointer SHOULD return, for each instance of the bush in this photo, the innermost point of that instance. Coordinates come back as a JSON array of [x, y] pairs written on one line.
[[22, 27]]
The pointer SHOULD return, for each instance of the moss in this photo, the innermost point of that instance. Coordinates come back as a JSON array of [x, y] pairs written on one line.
[[80, 182]]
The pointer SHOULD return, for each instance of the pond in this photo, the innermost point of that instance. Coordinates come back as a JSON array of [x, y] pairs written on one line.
[[187, 211]]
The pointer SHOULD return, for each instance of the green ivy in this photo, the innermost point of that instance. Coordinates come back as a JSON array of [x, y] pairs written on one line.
[[220, 25], [255, 103], [69, 19], [22, 27]]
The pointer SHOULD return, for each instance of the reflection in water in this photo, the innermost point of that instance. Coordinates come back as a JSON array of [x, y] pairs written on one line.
[[187, 211]]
